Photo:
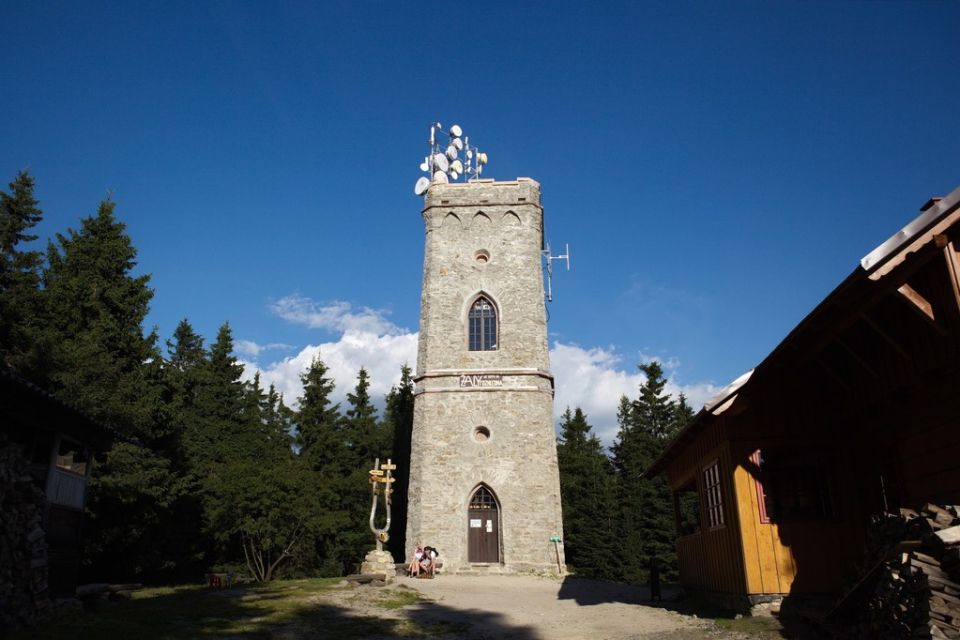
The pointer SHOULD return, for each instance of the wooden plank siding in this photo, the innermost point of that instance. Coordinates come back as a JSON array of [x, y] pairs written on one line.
[[927, 433], [810, 557], [710, 560]]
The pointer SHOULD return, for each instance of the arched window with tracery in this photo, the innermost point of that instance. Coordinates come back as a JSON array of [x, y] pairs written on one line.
[[482, 326]]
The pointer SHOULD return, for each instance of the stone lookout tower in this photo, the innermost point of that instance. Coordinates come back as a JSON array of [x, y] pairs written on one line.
[[484, 487]]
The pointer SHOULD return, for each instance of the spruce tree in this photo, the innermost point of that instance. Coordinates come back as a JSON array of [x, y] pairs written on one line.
[[93, 315], [188, 546], [399, 418], [655, 415], [322, 449], [647, 529], [365, 443], [589, 501], [255, 499], [318, 428], [92, 312], [365, 440], [19, 276]]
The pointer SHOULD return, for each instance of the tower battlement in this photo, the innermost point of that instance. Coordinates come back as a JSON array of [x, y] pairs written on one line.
[[484, 192]]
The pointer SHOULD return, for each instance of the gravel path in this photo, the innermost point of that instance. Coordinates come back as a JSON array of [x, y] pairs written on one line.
[[532, 608]]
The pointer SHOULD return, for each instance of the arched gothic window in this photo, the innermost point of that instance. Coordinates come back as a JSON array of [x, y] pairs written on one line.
[[483, 499], [482, 326]]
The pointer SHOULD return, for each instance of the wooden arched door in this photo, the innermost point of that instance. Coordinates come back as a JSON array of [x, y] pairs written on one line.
[[483, 532]]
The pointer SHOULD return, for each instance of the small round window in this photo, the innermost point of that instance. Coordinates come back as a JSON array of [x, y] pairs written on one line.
[[482, 256], [481, 434]]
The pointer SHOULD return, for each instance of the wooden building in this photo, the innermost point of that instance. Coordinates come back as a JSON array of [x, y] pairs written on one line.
[[58, 442], [856, 411]]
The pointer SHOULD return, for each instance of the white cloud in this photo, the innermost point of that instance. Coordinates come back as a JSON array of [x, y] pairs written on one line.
[[251, 348], [335, 316], [593, 379], [381, 355]]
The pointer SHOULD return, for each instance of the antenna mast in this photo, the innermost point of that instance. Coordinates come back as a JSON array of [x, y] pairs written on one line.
[[443, 164], [549, 258]]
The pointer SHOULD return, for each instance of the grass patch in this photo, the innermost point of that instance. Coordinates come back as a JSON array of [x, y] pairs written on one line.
[[403, 596], [249, 611], [280, 610], [757, 626]]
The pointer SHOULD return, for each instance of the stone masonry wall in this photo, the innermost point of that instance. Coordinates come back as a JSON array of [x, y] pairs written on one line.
[[484, 237]]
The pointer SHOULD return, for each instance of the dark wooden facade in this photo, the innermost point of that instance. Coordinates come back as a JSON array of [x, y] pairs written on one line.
[[856, 412], [59, 442]]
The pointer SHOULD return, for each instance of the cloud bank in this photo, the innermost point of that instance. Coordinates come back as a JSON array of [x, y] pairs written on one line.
[[592, 378]]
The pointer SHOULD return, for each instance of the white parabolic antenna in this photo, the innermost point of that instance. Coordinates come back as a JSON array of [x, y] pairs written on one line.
[[423, 183], [451, 161]]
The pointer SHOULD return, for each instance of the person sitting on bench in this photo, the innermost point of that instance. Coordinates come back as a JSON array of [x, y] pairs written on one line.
[[414, 567], [429, 562]]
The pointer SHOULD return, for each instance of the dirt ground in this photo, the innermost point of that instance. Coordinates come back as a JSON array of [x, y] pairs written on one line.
[[533, 608]]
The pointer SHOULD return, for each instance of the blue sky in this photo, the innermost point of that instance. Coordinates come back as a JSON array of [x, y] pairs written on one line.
[[717, 168]]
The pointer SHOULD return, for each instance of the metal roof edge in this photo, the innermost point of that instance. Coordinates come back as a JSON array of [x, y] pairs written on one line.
[[913, 228], [721, 396]]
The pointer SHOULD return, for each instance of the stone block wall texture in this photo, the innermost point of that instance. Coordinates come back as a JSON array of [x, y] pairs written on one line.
[[484, 238]]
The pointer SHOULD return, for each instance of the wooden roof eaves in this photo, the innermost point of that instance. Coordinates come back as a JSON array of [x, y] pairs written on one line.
[[81, 425], [916, 235]]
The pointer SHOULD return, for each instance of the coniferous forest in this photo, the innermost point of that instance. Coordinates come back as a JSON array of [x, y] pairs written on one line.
[[211, 472]]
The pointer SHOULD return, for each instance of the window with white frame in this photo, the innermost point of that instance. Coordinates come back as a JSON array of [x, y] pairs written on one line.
[[711, 488]]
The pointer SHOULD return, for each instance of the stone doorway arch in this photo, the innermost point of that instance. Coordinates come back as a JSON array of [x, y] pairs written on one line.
[[483, 527]]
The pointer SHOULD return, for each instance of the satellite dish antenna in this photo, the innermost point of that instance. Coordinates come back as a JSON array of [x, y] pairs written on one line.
[[423, 183], [443, 163]]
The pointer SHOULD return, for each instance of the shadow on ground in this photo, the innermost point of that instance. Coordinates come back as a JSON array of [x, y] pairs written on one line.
[[244, 613], [793, 623], [586, 591]]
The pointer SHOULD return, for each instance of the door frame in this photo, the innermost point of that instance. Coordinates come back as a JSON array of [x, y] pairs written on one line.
[[499, 532]]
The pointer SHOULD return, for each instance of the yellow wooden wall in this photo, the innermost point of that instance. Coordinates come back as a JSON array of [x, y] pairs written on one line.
[[794, 557], [710, 560], [751, 557]]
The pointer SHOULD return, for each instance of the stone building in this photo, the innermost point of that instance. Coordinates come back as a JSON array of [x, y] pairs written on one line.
[[484, 486]]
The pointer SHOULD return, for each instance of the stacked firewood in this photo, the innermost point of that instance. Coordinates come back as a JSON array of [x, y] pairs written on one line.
[[917, 588], [23, 560]]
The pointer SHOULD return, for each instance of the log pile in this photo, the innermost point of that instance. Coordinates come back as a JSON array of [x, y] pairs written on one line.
[[23, 549], [917, 567]]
